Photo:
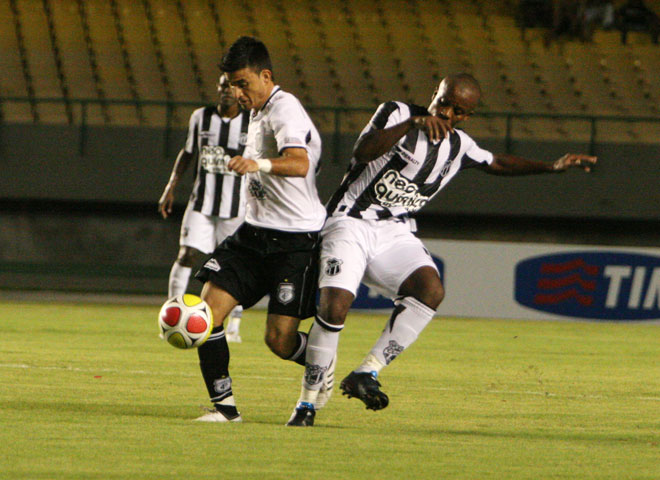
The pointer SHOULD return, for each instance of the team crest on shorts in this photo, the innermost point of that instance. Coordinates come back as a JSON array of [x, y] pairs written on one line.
[[333, 266], [392, 351], [285, 293], [212, 264], [314, 373]]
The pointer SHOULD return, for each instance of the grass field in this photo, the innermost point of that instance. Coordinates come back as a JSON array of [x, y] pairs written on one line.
[[89, 391]]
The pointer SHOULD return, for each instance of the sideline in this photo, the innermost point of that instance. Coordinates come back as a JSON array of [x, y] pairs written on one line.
[[79, 297]]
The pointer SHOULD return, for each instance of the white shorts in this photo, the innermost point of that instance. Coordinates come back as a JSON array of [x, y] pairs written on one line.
[[380, 253], [204, 232]]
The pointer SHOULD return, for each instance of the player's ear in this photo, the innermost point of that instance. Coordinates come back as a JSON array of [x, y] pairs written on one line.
[[266, 75]]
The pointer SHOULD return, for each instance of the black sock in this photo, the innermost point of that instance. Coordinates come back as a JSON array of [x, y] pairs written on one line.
[[298, 354], [214, 363]]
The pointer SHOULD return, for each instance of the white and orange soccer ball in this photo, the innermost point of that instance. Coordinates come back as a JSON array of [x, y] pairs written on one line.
[[185, 321]]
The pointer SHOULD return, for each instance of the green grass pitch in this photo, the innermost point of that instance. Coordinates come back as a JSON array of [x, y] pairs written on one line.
[[89, 391]]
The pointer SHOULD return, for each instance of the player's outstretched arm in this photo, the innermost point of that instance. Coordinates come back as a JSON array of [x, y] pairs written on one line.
[[292, 163], [167, 198], [504, 164], [378, 142]]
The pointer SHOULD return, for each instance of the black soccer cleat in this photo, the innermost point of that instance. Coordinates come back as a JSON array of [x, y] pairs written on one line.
[[303, 416], [364, 386]]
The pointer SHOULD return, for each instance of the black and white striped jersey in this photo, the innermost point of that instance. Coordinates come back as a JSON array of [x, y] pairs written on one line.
[[217, 191], [404, 179]]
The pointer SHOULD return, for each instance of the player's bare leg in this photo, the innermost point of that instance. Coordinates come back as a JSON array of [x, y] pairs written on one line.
[[214, 358], [284, 339]]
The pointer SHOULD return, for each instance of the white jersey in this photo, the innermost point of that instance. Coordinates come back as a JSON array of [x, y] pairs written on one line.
[[413, 171], [217, 192], [283, 203]]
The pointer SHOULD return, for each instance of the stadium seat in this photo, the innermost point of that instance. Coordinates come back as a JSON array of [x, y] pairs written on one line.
[[41, 61], [346, 53]]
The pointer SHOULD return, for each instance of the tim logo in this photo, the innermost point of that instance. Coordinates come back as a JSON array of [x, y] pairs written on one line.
[[600, 285], [369, 299]]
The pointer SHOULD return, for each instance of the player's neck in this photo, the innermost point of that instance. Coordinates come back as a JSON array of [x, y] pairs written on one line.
[[270, 91], [228, 112]]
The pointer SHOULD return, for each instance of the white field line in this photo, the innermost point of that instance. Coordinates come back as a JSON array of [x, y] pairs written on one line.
[[260, 377]]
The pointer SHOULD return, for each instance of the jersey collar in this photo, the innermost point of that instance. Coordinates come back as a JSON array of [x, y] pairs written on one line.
[[276, 89]]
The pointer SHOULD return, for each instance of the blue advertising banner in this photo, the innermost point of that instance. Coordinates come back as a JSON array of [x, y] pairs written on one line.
[[591, 284]]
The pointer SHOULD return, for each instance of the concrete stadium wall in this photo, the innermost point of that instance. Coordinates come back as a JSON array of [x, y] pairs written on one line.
[[124, 246], [118, 164]]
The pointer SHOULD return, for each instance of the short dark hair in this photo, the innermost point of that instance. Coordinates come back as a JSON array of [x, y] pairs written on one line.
[[246, 52]]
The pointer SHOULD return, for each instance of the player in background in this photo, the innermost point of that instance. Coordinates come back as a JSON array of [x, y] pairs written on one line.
[[217, 203], [275, 251], [402, 158]]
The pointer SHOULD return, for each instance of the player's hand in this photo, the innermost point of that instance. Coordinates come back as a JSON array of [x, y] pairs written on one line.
[[166, 201], [242, 165], [579, 160], [435, 127]]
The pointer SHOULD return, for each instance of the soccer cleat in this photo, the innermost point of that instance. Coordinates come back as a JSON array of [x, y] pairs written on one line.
[[222, 413], [302, 416], [328, 384], [363, 385]]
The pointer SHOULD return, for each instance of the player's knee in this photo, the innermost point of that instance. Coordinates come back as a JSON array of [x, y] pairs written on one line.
[[432, 296], [277, 344], [424, 285], [334, 305]]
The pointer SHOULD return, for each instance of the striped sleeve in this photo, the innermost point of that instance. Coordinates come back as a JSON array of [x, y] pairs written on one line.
[[193, 132], [387, 114]]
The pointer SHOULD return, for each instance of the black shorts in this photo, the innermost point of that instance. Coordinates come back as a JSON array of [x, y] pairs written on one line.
[[254, 262]]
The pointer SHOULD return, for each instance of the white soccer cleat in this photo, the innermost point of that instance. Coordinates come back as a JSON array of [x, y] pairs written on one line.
[[213, 415], [328, 385]]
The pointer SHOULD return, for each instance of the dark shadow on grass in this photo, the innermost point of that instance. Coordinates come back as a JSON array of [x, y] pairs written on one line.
[[58, 408], [561, 436]]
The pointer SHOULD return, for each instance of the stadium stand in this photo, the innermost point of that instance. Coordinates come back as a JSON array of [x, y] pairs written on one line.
[[341, 54], [13, 62]]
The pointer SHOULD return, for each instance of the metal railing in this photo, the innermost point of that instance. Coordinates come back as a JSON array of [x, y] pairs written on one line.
[[81, 108]]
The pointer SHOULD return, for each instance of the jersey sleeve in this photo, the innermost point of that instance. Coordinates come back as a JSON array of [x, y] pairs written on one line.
[[193, 132], [387, 115], [291, 126], [475, 155]]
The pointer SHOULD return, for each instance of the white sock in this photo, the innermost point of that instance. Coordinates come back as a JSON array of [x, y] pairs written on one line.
[[408, 319], [321, 348], [179, 276], [234, 323]]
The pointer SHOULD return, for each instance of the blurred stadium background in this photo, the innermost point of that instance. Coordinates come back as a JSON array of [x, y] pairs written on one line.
[[95, 96]]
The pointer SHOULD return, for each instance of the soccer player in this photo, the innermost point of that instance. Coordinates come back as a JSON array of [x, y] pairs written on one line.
[[401, 159], [276, 250], [217, 203]]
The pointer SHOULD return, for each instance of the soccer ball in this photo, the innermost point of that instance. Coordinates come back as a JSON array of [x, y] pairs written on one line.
[[185, 321]]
